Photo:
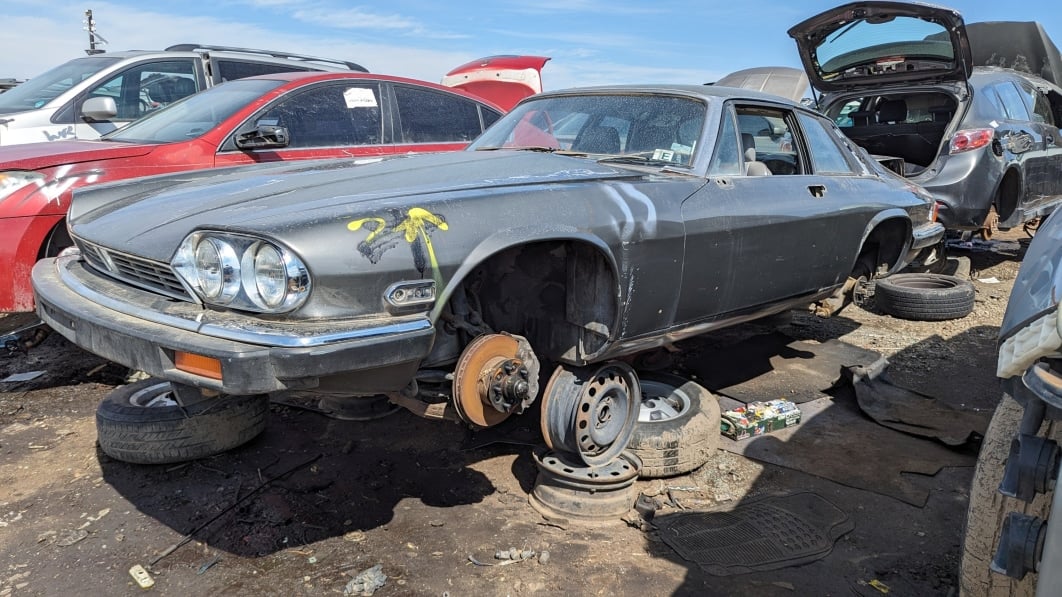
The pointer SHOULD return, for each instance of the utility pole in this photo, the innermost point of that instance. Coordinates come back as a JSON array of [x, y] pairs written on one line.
[[90, 26]]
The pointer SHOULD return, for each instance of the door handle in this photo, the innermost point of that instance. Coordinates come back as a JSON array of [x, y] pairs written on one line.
[[817, 190]]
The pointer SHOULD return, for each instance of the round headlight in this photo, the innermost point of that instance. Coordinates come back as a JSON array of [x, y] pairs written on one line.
[[217, 270], [270, 275]]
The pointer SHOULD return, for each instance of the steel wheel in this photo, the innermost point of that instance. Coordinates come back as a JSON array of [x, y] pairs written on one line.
[[591, 412]]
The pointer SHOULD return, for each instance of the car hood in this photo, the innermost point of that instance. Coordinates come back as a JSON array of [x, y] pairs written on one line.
[[870, 44], [35, 156], [1038, 287], [150, 217]]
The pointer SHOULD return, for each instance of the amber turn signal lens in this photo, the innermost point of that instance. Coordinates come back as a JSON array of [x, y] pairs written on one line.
[[198, 364]]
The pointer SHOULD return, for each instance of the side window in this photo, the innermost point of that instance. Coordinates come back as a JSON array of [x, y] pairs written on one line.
[[146, 87], [767, 138], [1012, 101], [432, 117], [230, 70], [726, 160], [489, 116], [329, 115], [1041, 108], [826, 156]]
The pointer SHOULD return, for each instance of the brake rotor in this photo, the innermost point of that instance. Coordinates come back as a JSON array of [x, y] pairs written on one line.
[[496, 376], [990, 225], [591, 412]]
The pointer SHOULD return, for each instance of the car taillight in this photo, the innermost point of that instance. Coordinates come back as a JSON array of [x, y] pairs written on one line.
[[970, 139]]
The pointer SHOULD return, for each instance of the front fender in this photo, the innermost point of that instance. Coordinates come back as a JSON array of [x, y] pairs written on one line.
[[502, 240]]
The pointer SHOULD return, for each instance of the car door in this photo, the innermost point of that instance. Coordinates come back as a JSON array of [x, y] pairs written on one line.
[[138, 90], [1024, 140], [432, 120], [791, 230], [1043, 120], [325, 120]]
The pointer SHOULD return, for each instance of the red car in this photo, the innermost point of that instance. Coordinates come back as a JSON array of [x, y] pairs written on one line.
[[288, 116]]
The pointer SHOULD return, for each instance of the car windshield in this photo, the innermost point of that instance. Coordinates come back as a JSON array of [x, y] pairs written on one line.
[[900, 38], [647, 127], [194, 115], [38, 91]]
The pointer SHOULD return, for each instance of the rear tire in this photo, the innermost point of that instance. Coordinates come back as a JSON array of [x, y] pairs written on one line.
[[141, 423], [680, 443], [988, 509], [924, 297]]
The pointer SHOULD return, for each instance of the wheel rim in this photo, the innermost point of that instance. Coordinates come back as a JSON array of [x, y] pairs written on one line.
[[591, 412], [661, 402], [154, 396]]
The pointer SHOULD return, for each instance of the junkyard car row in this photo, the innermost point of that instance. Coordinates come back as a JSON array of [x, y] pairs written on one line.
[[580, 229]]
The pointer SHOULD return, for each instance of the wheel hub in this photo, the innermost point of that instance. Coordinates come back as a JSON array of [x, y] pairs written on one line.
[[496, 376]]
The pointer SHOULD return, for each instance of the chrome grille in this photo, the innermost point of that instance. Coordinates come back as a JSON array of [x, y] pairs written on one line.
[[144, 273]]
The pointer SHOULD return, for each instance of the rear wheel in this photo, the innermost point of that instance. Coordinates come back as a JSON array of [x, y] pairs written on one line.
[[143, 423]]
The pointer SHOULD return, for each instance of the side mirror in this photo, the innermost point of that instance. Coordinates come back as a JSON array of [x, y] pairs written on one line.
[[263, 136], [99, 108]]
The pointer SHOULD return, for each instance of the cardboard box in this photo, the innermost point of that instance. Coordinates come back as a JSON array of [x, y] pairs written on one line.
[[757, 418]]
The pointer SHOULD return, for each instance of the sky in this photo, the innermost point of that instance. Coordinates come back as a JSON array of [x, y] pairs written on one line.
[[589, 42]]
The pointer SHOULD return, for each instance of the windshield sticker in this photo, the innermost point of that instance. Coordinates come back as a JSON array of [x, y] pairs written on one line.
[[359, 97], [415, 227]]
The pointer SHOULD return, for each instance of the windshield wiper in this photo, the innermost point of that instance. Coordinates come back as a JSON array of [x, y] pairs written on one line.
[[523, 148], [634, 159]]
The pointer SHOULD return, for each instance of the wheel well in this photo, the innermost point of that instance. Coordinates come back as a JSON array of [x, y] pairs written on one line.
[[883, 247], [57, 240], [560, 295], [1008, 194]]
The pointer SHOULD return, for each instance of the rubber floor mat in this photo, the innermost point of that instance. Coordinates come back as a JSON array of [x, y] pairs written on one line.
[[761, 534]]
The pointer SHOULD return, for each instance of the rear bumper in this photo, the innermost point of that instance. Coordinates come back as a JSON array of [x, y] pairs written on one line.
[[369, 358]]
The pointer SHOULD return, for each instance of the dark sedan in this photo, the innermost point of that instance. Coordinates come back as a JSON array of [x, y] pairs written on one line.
[[585, 226]]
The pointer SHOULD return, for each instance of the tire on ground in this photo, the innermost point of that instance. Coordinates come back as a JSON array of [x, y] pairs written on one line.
[[680, 444], [924, 297], [171, 433], [988, 509]]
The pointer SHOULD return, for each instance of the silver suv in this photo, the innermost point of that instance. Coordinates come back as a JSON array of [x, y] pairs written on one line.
[[89, 96]]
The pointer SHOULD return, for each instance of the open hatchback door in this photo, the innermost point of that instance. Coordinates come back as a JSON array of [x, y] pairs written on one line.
[[868, 44], [503, 80]]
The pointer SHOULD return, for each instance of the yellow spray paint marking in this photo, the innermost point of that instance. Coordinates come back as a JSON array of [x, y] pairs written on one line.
[[381, 225], [415, 225], [413, 228]]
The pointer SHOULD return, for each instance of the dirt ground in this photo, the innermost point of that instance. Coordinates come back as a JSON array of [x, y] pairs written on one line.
[[314, 501]]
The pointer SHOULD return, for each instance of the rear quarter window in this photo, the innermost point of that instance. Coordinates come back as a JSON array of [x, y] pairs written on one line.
[[827, 157]]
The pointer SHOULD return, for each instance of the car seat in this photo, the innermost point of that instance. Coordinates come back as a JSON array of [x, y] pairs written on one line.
[[752, 166], [598, 139]]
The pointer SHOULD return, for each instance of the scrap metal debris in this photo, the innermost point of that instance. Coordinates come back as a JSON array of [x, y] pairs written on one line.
[[141, 576], [366, 582], [511, 556]]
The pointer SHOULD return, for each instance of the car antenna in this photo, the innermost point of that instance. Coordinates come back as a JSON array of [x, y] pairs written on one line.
[[94, 38]]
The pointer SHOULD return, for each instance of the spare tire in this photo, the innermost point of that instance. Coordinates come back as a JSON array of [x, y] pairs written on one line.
[[142, 423], [924, 297], [678, 426]]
